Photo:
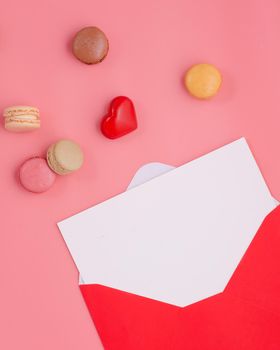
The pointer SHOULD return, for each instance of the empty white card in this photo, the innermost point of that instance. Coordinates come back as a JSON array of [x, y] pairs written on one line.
[[179, 237]]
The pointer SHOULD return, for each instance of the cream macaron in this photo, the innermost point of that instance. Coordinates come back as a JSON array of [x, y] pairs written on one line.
[[65, 157], [21, 118]]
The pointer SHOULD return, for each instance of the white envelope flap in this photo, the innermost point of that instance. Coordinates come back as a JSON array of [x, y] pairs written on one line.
[[179, 237], [148, 172]]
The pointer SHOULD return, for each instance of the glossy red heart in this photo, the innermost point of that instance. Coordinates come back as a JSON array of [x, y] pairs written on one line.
[[121, 118]]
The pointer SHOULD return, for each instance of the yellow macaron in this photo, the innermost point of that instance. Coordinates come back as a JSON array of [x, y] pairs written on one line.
[[65, 157], [203, 80], [21, 118]]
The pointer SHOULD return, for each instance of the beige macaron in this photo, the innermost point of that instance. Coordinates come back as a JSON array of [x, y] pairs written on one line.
[[65, 157], [203, 80], [21, 118]]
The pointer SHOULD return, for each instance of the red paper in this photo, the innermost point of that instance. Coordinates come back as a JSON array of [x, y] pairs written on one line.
[[245, 316]]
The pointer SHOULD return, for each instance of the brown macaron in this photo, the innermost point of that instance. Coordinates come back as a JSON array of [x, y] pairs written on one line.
[[90, 45]]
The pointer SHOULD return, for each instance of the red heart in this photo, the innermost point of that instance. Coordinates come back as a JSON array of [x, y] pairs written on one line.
[[121, 118]]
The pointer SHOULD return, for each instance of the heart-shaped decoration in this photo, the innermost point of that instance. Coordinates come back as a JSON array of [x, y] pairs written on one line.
[[121, 118]]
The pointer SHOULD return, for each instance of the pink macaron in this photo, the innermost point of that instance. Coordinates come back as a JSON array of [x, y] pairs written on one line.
[[36, 176]]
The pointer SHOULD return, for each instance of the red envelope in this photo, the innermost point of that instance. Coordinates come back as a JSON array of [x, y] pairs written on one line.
[[245, 316]]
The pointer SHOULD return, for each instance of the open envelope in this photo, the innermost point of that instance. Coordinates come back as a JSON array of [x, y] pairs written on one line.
[[188, 231]]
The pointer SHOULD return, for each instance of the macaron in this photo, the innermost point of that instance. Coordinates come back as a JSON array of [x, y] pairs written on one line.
[[65, 157], [90, 45], [21, 118], [203, 80], [35, 175]]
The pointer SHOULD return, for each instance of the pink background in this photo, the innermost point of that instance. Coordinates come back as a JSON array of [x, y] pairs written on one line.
[[152, 43]]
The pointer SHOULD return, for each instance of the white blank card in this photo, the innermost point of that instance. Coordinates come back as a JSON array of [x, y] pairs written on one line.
[[178, 237]]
